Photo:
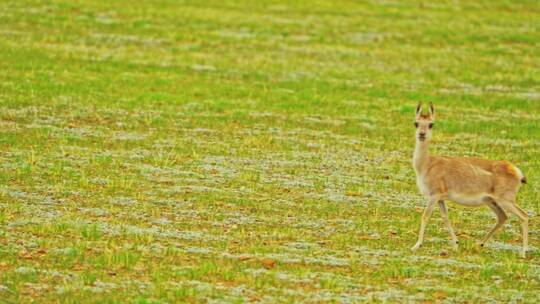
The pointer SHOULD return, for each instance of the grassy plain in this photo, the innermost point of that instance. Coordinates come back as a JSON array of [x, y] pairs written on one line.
[[258, 151]]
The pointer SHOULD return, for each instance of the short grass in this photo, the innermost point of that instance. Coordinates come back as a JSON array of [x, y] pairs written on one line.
[[258, 151]]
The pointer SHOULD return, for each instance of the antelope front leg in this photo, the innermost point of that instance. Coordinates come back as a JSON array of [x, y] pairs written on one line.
[[425, 218], [444, 214]]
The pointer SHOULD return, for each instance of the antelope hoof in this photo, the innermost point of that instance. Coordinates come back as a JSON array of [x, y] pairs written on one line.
[[416, 246], [523, 254], [454, 246]]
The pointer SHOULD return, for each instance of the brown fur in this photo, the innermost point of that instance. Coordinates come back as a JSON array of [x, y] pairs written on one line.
[[465, 180], [496, 178]]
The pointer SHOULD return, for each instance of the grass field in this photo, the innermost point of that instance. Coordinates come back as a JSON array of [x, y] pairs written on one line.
[[258, 151]]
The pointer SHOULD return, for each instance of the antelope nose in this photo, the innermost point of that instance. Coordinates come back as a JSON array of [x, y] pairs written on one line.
[[422, 134]]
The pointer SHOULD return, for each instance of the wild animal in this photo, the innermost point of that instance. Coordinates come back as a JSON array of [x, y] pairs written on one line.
[[468, 181]]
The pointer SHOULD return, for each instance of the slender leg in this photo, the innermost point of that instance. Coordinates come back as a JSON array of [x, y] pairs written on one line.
[[524, 219], [501, 218], [425, 218], [444, 214]]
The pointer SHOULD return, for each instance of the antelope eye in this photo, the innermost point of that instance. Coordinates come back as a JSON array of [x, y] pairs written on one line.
[[430, 125], [416, 125]]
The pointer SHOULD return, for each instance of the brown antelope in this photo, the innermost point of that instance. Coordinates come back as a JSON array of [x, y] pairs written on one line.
[[465, 180]]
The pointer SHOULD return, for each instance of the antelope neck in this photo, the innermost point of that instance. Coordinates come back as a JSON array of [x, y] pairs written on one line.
[[421, 156]]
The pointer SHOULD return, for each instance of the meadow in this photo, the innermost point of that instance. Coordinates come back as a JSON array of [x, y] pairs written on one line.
[[259, 151]]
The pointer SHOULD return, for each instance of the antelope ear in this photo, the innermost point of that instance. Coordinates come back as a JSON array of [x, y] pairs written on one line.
[[419, 109], [431, 111]]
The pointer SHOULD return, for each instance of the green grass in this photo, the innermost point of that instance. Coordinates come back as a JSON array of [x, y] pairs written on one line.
[[258, 151]]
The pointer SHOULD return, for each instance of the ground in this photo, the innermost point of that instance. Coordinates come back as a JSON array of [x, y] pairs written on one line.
[[258, 151]]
